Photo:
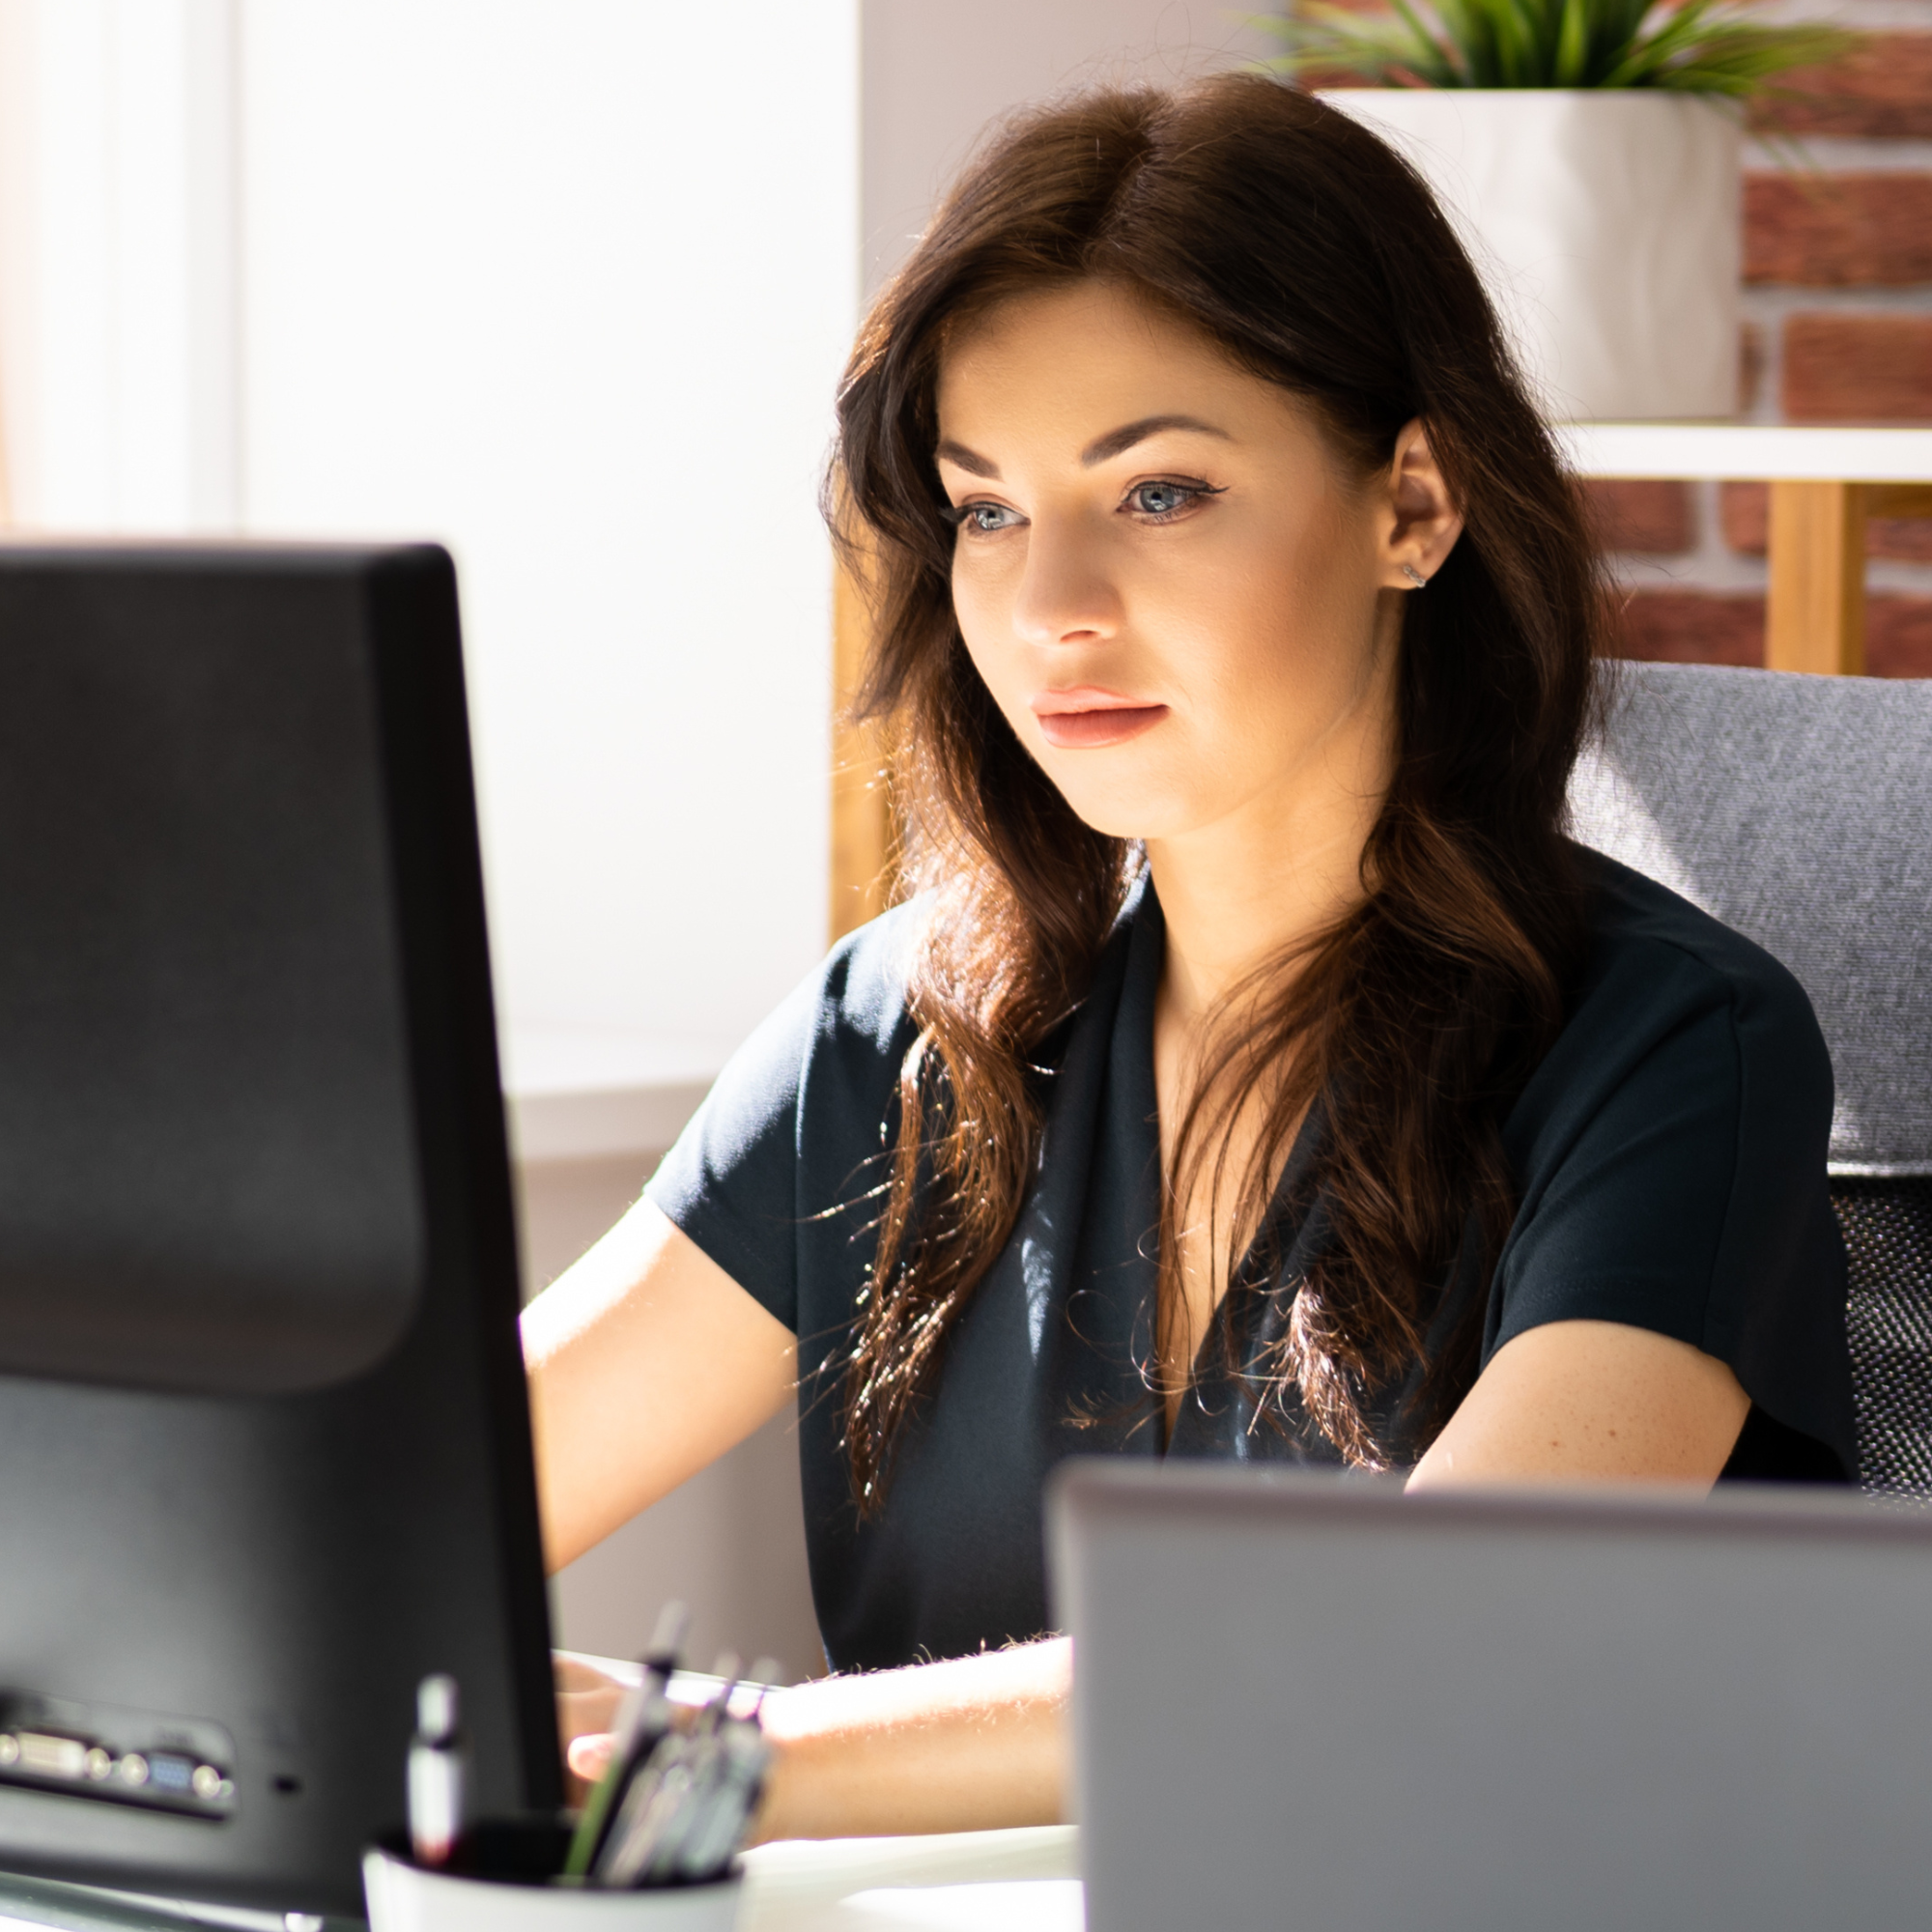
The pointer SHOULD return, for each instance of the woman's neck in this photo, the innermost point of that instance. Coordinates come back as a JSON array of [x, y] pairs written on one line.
[[1270, 876]]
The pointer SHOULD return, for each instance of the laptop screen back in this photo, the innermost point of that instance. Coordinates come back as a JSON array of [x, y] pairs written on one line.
[[1310, 1700]]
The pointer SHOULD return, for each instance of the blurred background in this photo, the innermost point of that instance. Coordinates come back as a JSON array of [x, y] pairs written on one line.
[[567, 287]]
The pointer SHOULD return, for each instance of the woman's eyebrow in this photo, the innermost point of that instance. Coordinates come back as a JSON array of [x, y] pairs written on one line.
[[962, 458], [1114, 443], [1116, 440]]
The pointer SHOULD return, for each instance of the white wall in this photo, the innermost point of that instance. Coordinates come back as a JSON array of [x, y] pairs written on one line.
[[936, 74], [117, 296], [565, 285], [568, 284]]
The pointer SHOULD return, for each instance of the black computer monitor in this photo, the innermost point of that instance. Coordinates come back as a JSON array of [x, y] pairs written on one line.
[[264, 1450]]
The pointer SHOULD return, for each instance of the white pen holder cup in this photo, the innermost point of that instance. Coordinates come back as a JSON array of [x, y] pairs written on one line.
[[403, 1897]]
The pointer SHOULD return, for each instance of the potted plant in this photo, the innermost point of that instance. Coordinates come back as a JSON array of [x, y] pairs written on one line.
[[1589, 151]]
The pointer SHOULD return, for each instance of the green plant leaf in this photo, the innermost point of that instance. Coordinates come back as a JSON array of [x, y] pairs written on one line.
[[1572, 46], [1373, 47], [1701, 46], [1438, 55], [1458, 31]]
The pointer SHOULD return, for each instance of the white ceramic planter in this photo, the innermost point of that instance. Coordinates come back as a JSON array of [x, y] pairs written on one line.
[[404, 1897], [1605, 224]]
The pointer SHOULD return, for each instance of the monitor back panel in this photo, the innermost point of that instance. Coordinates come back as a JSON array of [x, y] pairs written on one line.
[[261, 1427], [1304, 1702]]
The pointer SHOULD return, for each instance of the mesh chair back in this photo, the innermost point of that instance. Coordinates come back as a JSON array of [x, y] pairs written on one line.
[[1798, 810]]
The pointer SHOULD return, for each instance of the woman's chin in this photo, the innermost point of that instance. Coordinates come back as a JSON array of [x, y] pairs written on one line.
[[1122, 814]]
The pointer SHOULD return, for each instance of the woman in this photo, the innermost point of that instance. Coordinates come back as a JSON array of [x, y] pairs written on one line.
[[1257, 1072]]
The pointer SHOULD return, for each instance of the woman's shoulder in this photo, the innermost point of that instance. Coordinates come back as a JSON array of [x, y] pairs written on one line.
[[1673, 1003], [859, 989], [1652, 950], [835, 1043], [794, 1113]]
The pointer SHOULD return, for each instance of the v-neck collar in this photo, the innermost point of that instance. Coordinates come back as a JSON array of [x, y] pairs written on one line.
[[1220, 1398]]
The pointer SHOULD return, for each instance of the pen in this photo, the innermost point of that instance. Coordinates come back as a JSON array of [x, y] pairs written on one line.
[[717, 1828], [436, 1773], [642, 1718], [656, 1809], [678, 1851]]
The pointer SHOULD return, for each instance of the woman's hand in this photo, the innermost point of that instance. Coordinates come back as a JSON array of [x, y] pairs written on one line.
[[586, 1707]]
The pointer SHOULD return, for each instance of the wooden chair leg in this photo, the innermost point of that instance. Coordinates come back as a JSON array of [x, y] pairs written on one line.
[[1815, 617]]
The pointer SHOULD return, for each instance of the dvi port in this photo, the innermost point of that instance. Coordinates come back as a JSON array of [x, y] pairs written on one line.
[[46, 1754]]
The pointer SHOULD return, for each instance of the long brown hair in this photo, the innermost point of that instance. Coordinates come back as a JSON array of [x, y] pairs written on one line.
[[1316, 259]]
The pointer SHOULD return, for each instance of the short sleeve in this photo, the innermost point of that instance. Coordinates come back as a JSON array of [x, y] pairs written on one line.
[[1672, 1158], [794, 1115]]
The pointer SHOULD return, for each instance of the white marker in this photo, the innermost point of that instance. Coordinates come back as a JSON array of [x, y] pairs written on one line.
[[437, 1773]]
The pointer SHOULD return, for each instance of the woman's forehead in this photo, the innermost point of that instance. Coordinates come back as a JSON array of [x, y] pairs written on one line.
[[1072, 363], [1075, 322]]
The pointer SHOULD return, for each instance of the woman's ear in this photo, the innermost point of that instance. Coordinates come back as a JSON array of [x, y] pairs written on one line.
[[1421, 521]]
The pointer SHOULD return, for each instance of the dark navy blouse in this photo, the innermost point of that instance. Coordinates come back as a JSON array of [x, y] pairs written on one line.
[[1669, 1153]]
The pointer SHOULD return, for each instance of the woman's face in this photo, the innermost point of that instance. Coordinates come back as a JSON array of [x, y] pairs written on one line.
[[1181, 600]]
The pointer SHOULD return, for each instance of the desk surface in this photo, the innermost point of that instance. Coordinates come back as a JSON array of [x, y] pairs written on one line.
[[1024, 1881]]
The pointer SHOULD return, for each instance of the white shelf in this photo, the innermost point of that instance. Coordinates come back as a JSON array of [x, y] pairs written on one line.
[[577, 1094], [1747, 451]]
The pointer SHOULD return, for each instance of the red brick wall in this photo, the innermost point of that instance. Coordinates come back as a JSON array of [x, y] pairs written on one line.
[[1883, 91], [1842, 231]]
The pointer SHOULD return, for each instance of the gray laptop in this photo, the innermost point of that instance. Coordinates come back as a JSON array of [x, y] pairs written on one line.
[[1311, 1701]]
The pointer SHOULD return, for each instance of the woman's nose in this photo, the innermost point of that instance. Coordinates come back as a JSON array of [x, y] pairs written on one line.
[[1066, 595]]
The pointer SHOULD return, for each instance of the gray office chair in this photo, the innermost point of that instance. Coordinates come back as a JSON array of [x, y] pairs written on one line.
[[1798, 810]]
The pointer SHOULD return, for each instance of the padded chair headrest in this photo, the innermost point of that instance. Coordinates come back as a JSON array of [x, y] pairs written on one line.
[[1798, 810]]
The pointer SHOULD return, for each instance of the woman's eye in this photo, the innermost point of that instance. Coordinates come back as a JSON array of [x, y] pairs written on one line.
[[1163, 499], [985, 519]]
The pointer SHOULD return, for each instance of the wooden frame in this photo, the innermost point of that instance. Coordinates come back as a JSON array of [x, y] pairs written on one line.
[[1815, 608], [862, 816]]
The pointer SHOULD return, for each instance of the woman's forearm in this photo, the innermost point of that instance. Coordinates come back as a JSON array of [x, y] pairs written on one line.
[[969, 1745], [646, 1362]]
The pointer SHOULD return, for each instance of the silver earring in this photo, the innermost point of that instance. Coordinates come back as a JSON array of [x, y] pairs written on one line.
[[1414, 576]]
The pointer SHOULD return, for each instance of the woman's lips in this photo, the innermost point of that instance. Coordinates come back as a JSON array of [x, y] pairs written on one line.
[[1087, 717]]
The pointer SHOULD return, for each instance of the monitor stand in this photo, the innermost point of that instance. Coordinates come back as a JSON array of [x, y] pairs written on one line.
[[42, 1902]]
